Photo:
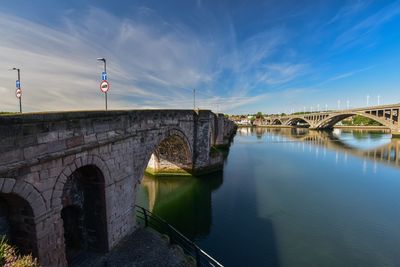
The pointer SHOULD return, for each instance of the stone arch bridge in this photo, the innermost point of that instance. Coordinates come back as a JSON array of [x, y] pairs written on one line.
[[387, 115], [68, 181]]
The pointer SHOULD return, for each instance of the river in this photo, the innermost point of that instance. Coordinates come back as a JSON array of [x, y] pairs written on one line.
[[291, 197]]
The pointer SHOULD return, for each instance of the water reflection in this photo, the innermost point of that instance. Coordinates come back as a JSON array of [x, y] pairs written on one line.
[[292, 197], [375, 146], [184, 202]]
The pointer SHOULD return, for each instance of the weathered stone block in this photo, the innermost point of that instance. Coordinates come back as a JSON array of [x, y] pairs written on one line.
[[34, 151], [11, 156], [75, 141], [47, 137], [8, 185]]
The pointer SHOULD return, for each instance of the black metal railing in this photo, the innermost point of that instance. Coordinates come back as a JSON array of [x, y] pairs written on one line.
[[190, 248]]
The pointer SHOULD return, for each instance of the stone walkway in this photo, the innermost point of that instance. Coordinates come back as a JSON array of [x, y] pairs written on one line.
[[144, 248]]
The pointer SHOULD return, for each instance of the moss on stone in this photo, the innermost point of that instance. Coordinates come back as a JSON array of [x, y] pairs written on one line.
[[176, 172]]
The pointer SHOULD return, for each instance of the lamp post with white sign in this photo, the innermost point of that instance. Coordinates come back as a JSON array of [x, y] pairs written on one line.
[[104, 85], [18, 91]]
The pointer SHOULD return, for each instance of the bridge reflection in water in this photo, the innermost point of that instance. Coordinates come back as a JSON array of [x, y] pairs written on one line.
[[375, 146], [184, 202], [292, 197]]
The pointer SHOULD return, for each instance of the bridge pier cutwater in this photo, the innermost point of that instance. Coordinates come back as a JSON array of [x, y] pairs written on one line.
[[68, 180], [387, 115]]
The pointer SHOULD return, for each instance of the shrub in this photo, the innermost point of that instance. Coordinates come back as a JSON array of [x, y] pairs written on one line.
[[10, 258]]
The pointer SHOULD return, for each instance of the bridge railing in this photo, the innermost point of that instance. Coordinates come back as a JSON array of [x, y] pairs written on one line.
[[190, 248]]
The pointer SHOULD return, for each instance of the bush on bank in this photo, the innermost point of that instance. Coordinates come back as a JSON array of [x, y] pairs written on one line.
[[10, 258]]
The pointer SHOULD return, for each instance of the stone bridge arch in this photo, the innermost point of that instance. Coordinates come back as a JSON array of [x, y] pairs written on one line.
[[331, 120], [81, 206], [172, 152], [40, 153], [21, 207], [82, 160]]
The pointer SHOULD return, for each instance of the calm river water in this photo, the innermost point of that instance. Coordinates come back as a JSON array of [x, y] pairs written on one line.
[[292, 197]]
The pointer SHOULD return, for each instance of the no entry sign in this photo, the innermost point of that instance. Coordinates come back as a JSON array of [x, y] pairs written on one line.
[[18, 93], [104, 86]]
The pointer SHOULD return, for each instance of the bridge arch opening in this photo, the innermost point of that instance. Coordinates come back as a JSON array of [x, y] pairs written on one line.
[[171, 156], [84, 213], [298, 122], [276, 122], [17, 223], [332, 120]]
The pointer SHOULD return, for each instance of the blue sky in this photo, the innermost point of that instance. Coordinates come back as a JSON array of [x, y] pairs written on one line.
[[241, 56]]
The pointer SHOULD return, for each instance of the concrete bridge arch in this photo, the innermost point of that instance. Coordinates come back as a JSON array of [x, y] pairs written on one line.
[[295, 120], [277, 122], [331, 120]]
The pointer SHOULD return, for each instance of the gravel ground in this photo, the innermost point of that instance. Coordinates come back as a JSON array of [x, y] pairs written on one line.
[[145, 248]]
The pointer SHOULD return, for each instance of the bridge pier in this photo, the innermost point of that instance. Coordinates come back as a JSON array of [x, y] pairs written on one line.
[[176, 156], [395, 134]]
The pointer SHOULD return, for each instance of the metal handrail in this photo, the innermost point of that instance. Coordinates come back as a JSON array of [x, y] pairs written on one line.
[[190, 248]]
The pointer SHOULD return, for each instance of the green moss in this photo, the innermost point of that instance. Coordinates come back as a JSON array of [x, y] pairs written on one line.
[[7, 113], [177, 172]]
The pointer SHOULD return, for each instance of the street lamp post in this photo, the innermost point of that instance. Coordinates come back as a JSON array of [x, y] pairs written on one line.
[[194, 99], [18, 85], [379, 97], [104, 76]]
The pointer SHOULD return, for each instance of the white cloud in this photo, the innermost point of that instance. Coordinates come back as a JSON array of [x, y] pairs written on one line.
[[344, 75], [151, 63], [59, 68], [365, 28], [349, 10]]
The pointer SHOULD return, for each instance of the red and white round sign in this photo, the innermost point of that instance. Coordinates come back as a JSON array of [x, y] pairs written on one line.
[[104, 86], [18, 93]]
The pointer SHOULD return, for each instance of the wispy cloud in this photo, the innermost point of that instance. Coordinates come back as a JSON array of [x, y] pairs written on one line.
[[59, 68], [350, 10], [365, 28], [156, 58], [258, 63], [344, 75], [151, 63]]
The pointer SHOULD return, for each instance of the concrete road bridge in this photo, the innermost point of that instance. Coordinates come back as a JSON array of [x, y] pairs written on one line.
[[387, 115], [68, 181]]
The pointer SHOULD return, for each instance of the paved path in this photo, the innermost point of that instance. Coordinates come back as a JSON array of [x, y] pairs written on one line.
[[145, 248]]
